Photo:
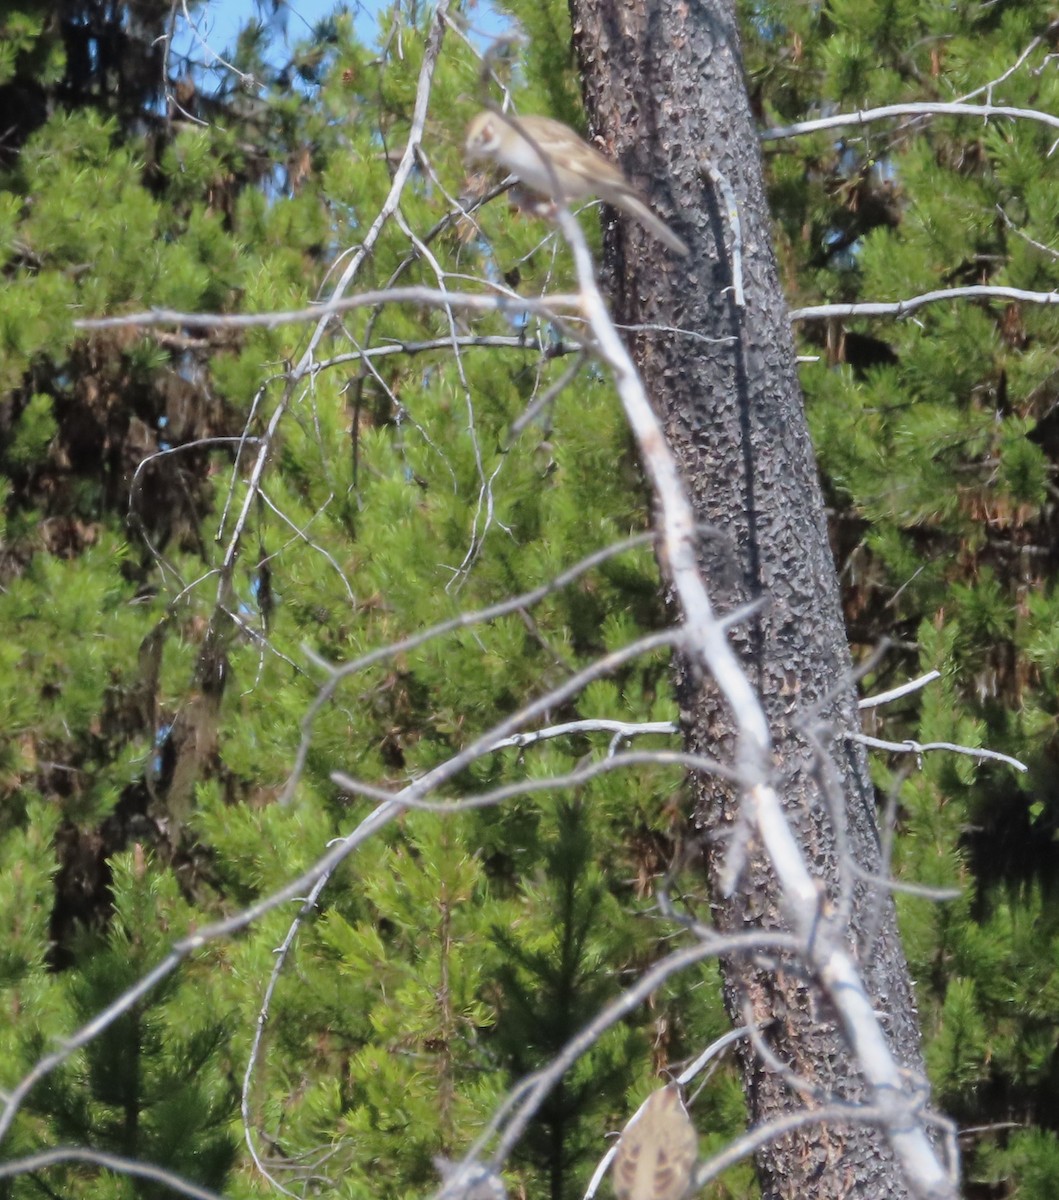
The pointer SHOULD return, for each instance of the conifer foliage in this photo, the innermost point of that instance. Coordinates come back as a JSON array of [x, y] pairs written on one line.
[[933, 433]]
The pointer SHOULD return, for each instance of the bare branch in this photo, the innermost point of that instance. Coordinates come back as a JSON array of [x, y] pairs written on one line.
[[502, 300], [624, 730], [829, 1114], [822, 947], [526, 787], [910, 746], [900, 308], [531, 1092], [896, 693], [110, 1162], [462, 620], [924, 109]]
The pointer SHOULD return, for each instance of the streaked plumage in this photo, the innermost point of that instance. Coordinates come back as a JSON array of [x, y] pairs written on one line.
[[579, 169], [657, 1151]]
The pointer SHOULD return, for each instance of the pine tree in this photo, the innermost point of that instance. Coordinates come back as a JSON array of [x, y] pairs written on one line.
[[933, 437]]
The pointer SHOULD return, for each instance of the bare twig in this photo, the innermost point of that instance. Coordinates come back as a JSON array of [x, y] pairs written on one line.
[[900, 308], [924, 109], [110, 1162], [910, 746], [905, 689], [822, 948], [501, 300]]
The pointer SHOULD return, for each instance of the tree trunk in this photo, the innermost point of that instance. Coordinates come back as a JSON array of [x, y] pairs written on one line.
[[663, 82]]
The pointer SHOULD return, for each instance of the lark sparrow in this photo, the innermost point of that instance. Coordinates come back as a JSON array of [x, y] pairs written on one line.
[[657, 1150], [529, 145]]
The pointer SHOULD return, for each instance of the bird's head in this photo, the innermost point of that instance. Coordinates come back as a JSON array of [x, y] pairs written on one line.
[[483, 136]]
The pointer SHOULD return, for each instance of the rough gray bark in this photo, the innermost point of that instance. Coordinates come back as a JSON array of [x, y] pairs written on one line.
[[663, 85]]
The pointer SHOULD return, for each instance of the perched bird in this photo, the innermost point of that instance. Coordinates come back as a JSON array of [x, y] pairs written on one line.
[[529, 145], [657, 1150]]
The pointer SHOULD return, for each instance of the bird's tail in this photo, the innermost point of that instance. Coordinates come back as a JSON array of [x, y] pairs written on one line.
[[653, 223]]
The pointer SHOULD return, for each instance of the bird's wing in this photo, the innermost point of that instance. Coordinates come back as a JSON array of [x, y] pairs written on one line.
[[553, 138], [601, 177]]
